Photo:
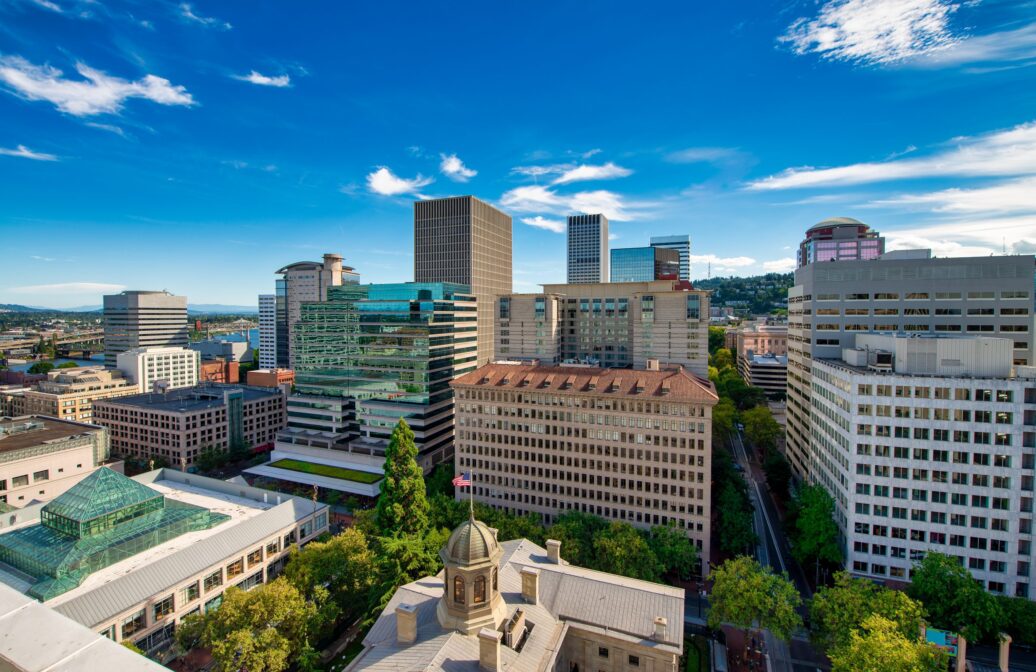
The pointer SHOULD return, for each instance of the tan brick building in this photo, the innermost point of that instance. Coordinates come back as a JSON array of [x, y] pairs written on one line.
[[624, 444], [69, 393]]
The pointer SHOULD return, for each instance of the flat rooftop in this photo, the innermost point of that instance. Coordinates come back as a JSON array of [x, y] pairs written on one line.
[[196, 398], [28, 431]]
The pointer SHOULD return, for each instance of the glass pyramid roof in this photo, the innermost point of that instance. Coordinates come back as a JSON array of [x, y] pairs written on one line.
[[102, 492]]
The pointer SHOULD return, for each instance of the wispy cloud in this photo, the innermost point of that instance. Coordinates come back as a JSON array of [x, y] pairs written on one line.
[[541, 199], [540, 222], [705, 155], [111, 128], [784, 265], [453, 168], [187, 12], [974, 236], [39, 258], [873, 32], [584, 173], [96, 93], [46, 4], [1008, 152], [540, 171], [1012, 196], [25, 153], [383, 181], [1001, 47], [68, 288], [279, 81]]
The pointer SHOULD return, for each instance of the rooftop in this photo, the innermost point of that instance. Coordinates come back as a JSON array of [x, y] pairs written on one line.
[[28, 431], [197, 398]]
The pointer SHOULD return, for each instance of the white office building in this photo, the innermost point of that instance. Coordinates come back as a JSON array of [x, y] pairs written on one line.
[[681, 244], [268, 331], [143, 319], [173, 367], [929, 444], [588, 249]]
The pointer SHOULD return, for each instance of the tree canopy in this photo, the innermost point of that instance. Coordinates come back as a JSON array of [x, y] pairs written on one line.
[[954, 599], [339, 571], [747, 595], [761, 429], [815, 537], [839, 610], [676, 553], [620, 549], [41, 367], [880, 645], [402, 507]]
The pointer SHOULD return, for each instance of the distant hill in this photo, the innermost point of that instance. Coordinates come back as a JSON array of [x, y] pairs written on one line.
[[219, 309], [193, 309], [759, 293], [16, 308]]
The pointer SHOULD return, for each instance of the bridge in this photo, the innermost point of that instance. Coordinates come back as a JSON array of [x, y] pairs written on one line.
[[82, 340]]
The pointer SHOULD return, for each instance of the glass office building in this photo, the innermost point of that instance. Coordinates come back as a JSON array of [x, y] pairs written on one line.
[[644, 264], [840, 239]]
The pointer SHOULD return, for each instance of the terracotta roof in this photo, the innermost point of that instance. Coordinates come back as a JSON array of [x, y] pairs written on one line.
[[670, 383]]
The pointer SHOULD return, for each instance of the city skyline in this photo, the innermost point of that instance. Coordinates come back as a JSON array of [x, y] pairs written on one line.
[[239, 142]]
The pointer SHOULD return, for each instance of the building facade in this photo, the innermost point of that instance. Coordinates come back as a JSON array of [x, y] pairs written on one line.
[[170, 368], [682, 244], [644, 264], [840, 239], [219, 371], [608, 324], [268, 331], [587, 249], [898, 293], [302, 282], [68, 394], [143, 319], [41, 457], [929, 444], [763, 338], [623, 444], [178, 425], [231, 351], [271, 377], [465, 241], [764, 370]]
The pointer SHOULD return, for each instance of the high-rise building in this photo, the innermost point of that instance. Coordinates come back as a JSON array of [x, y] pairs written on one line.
[[465, 241], [638, 469], [170, 368], [682, 244], [143, 319], [900, 292], [929, 444], [609, 324], [840, 239], [299, 283], [644, 264], [268, 331], [587, 249]]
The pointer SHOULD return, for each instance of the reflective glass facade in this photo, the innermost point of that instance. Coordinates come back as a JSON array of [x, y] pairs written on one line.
[[644, 264]]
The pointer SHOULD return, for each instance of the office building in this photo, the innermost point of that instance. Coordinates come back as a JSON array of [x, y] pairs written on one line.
[[142, 319], [900, 292], [764, 370], [40, 457], [762, 338], [168, 368], [302, 282], [69, 394], [268, 331], [587, 249], [644, 264], [220, 348], [219, 371], [130, 558], [682, 244], [929, 444], [624, 444], [608, 324], [465, 241], [840, 239], [271, 377], [179, 424], [516, 606]]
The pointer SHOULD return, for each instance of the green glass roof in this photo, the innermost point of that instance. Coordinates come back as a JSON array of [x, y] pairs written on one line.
[[100, 493]]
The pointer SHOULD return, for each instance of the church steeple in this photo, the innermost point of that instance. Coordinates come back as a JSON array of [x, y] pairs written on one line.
[[471, 591]]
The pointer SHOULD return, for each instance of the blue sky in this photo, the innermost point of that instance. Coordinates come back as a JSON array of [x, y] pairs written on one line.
[[199, 146]]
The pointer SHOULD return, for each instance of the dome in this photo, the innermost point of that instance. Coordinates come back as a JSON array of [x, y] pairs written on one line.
[[837, 221], [470, 543]]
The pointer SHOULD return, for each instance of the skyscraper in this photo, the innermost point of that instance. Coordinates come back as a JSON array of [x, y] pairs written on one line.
[[143, 319], [644, 264], [465, 241], [267, 331], [682, 244], [840, 239], [587, 249]]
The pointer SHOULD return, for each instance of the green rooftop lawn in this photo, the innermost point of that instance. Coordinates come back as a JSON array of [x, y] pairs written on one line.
[[327, 470]]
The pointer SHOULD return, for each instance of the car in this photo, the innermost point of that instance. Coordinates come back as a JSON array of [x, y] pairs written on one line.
[[740, 427]]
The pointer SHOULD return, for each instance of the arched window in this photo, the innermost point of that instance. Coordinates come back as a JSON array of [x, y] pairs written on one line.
[[458, 590], [496, 586], [480, 590]]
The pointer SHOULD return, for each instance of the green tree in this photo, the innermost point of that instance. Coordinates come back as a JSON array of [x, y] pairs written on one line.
[[716, 338], [402, 507], [722, 359], [735, 518], [511, 526], [724, 414], [68, 365], [341, 569], [41, 367], [132, 647], [880, 645], [1019, 618], [440, 481], [576, 530], [816, 533], [778, 474], [621, 549], [747, 596], [761, 429], [676, 554], [955, 600], [839, 610]]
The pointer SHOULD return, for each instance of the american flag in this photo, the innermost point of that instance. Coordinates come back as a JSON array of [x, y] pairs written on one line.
[[462, 481]]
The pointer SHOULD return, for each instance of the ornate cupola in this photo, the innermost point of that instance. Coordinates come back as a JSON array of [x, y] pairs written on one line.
[[471, 585]]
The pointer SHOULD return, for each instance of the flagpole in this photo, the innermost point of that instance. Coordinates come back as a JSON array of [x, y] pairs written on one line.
[[471, 495]]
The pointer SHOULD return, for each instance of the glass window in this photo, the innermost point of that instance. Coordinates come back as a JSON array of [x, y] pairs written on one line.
[[255, 557], [602, 651], [480, 590], [133, 624], [189, 593], [458, 590], [213, 580], [634, 661], [163, 607]]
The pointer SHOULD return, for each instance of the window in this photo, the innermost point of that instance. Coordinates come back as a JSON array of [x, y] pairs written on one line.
[[133, 624], [634, 661], [480, 590], [255, 557], [273, 547], [19, 481], [602, 651], [235, 568], [213, 580], [163, 607], [458, 590], [189, 593], [41, 476]]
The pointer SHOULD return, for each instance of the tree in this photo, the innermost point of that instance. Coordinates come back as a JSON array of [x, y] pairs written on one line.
[[1019, 618], [68, 365], [955, 600], [440, 481], [879, 645], [511, 526], [41, 367], [132, 647], [816, 533], [575, 530], [778, 474], [620, 549], [676, 554], [761, 429], [747, 595], [262, 630], [735, 517], [722, 359], [837, 611], [341, 569], [402, 507], [717, 337], [723, 416]]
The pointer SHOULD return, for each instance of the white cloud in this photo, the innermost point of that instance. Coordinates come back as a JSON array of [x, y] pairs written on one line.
[[453, 168], [785, 265], [39, 258], [1007, 152], [97, 93], [873, 31], [703, 155], [539, 171], [592, 152], [555, 225], [1007, 197], [1006, 46], [279, 81], [533, 198], [722, 262], [383, 181], [69, 288], [584, 172], [187, 12], [107, 127], [972, 237], [46, 4], [613, 236], [25, 153], [540, 199]]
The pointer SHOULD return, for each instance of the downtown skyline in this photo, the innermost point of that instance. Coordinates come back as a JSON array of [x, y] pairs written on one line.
[[199, 147]]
